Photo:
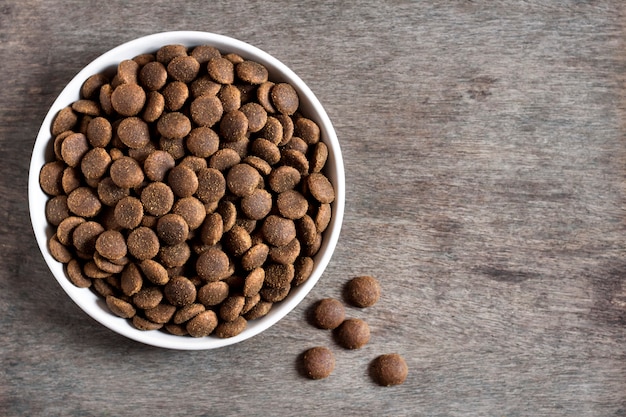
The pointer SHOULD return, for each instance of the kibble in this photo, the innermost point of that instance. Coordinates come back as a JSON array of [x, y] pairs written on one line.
[[187, 190], [363, 291], [328, 314], [353, 333], [318, 362], [389, 369]]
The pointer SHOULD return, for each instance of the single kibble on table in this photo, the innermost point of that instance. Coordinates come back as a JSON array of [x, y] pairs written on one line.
[[318, 362], [389, 369], [353, 333], [328, 314], [363, 291], [181, 193]]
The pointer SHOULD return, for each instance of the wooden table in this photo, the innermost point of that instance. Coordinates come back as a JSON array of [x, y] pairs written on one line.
[[485, 153]]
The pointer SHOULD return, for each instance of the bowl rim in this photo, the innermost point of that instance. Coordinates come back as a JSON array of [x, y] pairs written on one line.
[[94, 305]]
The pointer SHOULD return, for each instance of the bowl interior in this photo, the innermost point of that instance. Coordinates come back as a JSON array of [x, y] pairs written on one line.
[[93, 305]]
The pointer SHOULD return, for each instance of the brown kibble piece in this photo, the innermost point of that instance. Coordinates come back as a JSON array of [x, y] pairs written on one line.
[[257, 205], [286, 254], [323, 217], [278, 231], [111, 244], [228, 211], [263, 95], [203, 142], [180, 291], [131, 280], [251, 72], [203, 53], [318, 362], [168, 52], [231, 308], [224, 159], [318, 157], [86, 107], [162, 313], [120, 307], [221, 70], [57, 210], [50, 177], [203, 324], [153, 76], [73, 148], [91, 86], [148, 297], [273, 130], [188, 312], [291, 204], [308, 130], [254, 282], [175, 94], [353, 333], [389, 369], [363, 291], [192, 210], [237, 241], [213, 293], [75, 274], [303, 268], [230, 97], [71, 179], [66, 228], [64, 120], [255, 257], [212, 229], [256, 115], [99, 132], [233, 126], [278, 276], [204, 85], [213, 265], [144, 324], [259, 164], [320, 188], [172, 229], [175, 255], [307, 232], [143, 243], [328, 314], [105, 96], [242, 180], [295, 159], [84, 202], [155, 105], [126, 172], [95, 163], [128, 99], [174, 125], [127, 71], [157, 164], [157, 198], [285, 98], [183, 68], [58, 251], [211, 185], [183, 181], [128, 212], [85, 235], [133, 132], [265, 150], [231, 328]]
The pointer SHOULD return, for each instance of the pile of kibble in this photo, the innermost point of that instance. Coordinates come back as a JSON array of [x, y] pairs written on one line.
[[188, 190], [351, 333]]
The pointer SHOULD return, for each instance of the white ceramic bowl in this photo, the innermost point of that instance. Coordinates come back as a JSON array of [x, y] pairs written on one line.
[[42, 152]]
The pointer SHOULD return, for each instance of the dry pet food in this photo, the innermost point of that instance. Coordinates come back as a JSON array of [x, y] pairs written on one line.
[[362, 291], [188, 191], [318, 362], [389, 369], [352, 333], [328, 313]]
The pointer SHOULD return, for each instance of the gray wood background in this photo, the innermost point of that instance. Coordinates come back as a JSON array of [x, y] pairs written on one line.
[[485, 153]]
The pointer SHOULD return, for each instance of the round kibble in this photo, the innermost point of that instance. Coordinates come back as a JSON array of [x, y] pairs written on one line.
[[84, 202], [172, 229], [389, 369], [76, 276], [133, 132], [242, 180], [363, 291], [148, 297], [174, 125], [144, 324], [287, 124], [204, 85], [265, 150], [127, 71], [175, 255], [85, 235], [59, 251], [92, 85], [221, 70], [263, 95], [318, 362], [285, 98], [126, 172], [251, 72], [111, 244], [328, 313], [154, 272], [183, 181], [320, 188], [213, 293], [323, 217], [308, 130], [259, 164], [211, 185], [230, 96], [212, 229], [228, 211], [50, 177], [237, 241], [231, 308], [95, 163], [153, 76], [66, 228], [157, 198], [155, 105], [128, 212], [228, 329], [256, 115], [212, 265], [233, 125], [286, 254], [71, 180], [303, 269], [192, 210], [353, 333], [168, 52], [162, 313], [64, 120], [255, 257], [307, 232], [295, 159], [131, 280], [202, 142], [128, 99], [73, 148], [254, 282], [105, 96], [143, 243], [203, 324], [57, 210], [120, 307], [203, 53], [278, 276], [157, 164], [183, 68], [278, 231], [175, 94], [260, 309], [224, 159], [206, 110], [318, 157], [107, 265], [273, 130], [291, 204], [99, 132], [188, 312], [180, 291], [257, 205], [195, 163]]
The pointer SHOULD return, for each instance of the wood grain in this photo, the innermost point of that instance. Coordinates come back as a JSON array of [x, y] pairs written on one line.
[[485, 154]]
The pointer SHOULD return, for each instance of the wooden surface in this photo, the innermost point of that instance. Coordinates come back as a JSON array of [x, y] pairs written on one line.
[[485, 153]]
